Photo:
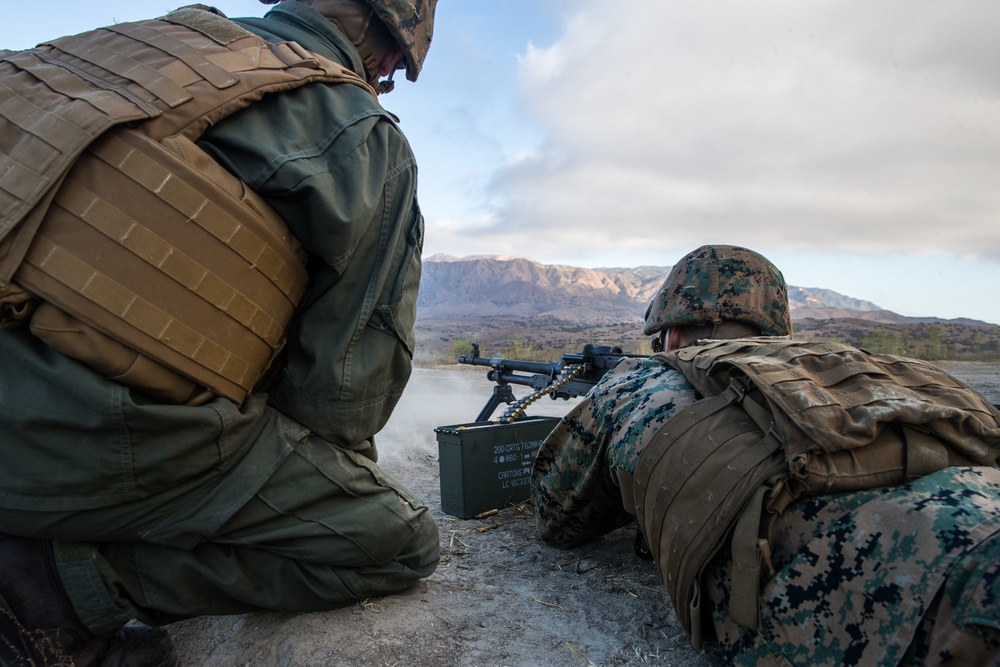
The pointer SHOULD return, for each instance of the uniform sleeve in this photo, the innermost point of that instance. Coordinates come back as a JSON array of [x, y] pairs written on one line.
[[574, 481], [341, 175]]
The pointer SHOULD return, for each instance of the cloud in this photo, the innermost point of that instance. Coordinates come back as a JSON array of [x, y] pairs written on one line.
[[834, 125]]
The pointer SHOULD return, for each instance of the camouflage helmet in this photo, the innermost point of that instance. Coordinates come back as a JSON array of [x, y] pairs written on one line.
[[717, 283], [411, 23]]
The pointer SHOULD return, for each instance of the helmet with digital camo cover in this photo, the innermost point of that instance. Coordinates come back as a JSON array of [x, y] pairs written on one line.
[[721, 283], [411, 23]]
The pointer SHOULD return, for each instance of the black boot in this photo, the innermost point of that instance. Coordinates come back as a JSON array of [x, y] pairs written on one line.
[[39, 626], [139, 646]]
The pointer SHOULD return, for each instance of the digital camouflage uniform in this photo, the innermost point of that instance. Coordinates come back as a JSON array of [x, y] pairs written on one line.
[[575, 483], [859, 575], [903, 575], [161, 512]]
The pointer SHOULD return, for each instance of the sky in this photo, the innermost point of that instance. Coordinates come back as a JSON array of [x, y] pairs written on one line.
[[855, 144]]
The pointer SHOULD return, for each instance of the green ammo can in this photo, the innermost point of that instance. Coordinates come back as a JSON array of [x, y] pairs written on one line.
[[487, 465]]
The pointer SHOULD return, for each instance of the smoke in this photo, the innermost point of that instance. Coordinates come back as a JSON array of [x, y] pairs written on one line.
[[445, 397]]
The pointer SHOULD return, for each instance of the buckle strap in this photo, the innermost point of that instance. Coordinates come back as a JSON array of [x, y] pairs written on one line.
[[749, 552]]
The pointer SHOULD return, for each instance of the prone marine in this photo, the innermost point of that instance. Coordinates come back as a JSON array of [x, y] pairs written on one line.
[[805, 503]]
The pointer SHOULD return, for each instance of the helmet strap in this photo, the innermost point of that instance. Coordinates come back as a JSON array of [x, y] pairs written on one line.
[[387, 84], [364, 50], [658, 342]]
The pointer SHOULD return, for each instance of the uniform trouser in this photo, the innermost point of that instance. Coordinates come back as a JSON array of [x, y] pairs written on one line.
[[164, 512], [908, 575]]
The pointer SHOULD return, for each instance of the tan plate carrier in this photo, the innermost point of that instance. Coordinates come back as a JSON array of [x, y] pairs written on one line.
[[111, 212], [784, 419]]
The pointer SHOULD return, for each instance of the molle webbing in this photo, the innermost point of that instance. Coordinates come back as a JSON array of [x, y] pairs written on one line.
[[782, 419], [134, 230], [827, 397], [197, 245], [60, 96], [694, 477]]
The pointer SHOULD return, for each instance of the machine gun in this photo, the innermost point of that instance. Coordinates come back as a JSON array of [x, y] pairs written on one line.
[[486, 465], [571, 376]]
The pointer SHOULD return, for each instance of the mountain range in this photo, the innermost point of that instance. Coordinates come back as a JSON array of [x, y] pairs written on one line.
[[492, 285], [514, 305]]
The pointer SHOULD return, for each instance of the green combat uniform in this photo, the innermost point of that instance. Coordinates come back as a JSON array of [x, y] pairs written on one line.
[[903, 575], [161, 512]]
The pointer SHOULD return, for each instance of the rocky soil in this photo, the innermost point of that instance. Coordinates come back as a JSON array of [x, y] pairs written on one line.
[[499, 596]]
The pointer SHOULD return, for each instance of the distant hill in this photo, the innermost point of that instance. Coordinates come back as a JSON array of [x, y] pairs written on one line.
[[504, 297], [805, 298], [488, 286], [496, 285]]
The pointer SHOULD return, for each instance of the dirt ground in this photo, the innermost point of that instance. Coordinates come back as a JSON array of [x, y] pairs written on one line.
[[984, 377], [499, 596]]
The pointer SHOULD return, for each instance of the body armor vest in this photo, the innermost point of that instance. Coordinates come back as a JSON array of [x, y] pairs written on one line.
[[110, 211], [781, 420]]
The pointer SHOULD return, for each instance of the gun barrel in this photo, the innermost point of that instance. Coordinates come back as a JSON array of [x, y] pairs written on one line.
[[505, 366], [536, 381]]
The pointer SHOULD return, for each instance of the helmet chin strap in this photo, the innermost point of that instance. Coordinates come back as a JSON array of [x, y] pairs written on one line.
[[387, 85], [659, 344], [348, 25]]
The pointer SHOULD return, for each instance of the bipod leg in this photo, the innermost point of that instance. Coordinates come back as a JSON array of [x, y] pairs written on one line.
[[502, 393]]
